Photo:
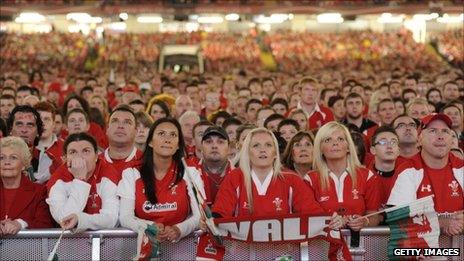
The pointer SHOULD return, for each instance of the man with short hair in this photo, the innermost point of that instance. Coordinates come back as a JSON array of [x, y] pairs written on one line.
[[49, 150], [22, 93], [262, 115], [354, 105], [215, 164], [406, 129], [7, 104], [326, 94], [183, 103], [198, 132], [187, 121], [384, 147], [121, 131], [77, 120], [394, 87], [450, 91], [317, 115], [386, 112], [251, 110], [268, 88], [457, 118], [434, 171], [25, 122]]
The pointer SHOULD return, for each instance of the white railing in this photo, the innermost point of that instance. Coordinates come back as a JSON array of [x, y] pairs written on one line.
[[120, 244]]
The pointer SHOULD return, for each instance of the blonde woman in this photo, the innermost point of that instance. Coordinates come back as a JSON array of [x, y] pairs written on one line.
[[22, 203], [259, 187], [339, 182]]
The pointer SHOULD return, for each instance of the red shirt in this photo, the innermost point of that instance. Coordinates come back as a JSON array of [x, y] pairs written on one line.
[[173, 202], [8, 198], [320, 117], [283, 195], [417, 180], [211, 182], [344, 198], [134, 160], [386, 183]]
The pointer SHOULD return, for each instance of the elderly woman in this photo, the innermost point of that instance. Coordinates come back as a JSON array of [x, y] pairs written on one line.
[[339, 181], [298, 155], [160, 193], [260, 188], [22, 203], [82, 192]]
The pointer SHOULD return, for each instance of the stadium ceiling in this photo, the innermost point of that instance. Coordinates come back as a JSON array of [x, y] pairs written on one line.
[[182, 7]]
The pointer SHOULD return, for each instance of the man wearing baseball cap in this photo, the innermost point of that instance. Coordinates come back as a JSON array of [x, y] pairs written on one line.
[[214, 165], [434, 171]]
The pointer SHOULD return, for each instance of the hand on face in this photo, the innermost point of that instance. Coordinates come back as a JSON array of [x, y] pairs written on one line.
[[78, 167]]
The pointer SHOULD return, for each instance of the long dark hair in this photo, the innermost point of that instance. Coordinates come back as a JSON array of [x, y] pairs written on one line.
[[147, 169]]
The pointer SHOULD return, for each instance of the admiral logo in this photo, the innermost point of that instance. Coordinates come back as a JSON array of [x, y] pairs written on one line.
[[159, 207], [322, 199]]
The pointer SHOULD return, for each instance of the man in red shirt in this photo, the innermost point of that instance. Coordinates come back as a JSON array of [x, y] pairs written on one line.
[[122, 127], [385, 150], [387, 113], [434, 171], [215, 164], [49, 150], [317, 115]]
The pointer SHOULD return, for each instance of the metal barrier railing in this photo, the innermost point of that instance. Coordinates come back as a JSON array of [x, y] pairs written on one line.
[[120, 244]]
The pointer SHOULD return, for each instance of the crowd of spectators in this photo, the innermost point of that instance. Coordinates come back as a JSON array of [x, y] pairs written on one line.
[[374, 115]]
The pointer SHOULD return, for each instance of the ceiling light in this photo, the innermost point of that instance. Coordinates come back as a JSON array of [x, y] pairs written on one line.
[[232, 17], [448, 19], [388, 18], [149, 19], [123, 16], [30, 17], [330, 18], [210, 19]]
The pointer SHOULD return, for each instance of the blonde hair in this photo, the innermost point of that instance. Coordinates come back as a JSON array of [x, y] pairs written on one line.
[[319, 160], [418, 100], [18, 144], [245, 164]]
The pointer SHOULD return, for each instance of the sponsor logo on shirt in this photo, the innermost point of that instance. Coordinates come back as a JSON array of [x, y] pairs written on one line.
[[277, 201], [454, 187], [159, 207], [426, 187], [325, 198], [173, 190]]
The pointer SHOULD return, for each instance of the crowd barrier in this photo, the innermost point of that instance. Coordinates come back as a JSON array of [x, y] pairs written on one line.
[[120, 244]]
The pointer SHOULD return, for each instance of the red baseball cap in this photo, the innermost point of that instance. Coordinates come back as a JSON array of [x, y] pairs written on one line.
[[130, 88], [433, 117]]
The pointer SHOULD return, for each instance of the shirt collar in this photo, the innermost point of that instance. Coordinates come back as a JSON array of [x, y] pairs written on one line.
[[129, 158]]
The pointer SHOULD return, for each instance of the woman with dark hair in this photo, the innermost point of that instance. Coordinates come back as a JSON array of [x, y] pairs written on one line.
[[298, 155], [82, 192], [160, 193], [158, 109], [95, 130]]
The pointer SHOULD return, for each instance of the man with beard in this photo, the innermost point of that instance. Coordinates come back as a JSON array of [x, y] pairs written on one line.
[[406, 129], [354, 106], [215, 164], [434, 171]]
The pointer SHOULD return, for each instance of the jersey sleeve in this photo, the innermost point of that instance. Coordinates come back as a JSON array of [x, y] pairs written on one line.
[[65, 198], [405, 188], [126, 190], [227, 196]]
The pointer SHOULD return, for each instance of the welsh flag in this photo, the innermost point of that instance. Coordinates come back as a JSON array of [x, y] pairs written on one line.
[[414, 225]]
